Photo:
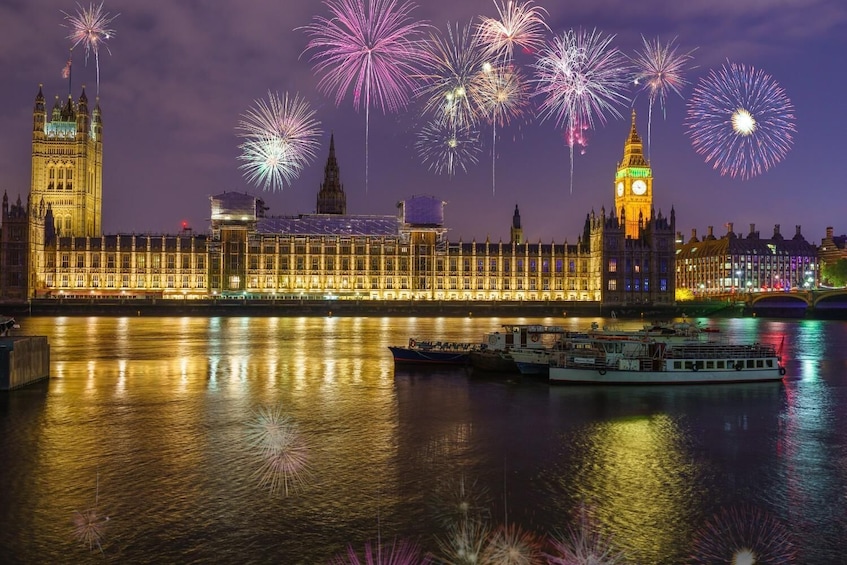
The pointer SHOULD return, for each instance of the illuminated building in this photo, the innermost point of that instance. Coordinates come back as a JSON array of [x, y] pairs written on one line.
[[67, 164], [625, 257], [734, 263]]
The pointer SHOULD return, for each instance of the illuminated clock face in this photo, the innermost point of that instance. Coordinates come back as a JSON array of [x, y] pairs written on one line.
[[620, 189], [639, 187]]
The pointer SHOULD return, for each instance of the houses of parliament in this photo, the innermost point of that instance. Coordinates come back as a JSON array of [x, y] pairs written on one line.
[[52, 245]]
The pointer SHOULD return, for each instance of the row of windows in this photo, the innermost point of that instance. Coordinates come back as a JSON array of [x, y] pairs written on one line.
[[186, 262], [637, 285], [125, 281]]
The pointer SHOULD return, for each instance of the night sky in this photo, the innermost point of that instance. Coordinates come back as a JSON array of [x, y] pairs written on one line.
[[178, 75]]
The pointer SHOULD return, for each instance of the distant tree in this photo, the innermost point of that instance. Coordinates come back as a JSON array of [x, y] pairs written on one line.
[[835, 274], [683, 294]]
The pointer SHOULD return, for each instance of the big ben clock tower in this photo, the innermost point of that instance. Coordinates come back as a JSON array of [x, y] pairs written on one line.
[[633, 184]]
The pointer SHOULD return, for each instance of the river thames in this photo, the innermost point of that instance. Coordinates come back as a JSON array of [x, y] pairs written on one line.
[[148, 420]]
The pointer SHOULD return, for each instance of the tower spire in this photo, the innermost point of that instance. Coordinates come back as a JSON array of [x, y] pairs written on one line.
[[331, 197]]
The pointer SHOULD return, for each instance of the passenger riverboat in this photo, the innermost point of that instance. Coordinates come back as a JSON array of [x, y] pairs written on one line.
[[433, 352], [599, 360]]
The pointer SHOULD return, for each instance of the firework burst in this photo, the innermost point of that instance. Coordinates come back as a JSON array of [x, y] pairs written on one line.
[[511, 545], [282, 450], [743, 535], [400, 552], [281, 137], [91, 29], [583, 544], [453, 63], [370, 47], [659, 71], [89, 526], [581, 78], [740, 120], [519, 24], [464, 543], [460, 500], [444, 148], [501, 97]]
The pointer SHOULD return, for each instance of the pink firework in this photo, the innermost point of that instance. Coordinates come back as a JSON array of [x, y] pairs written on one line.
[[659, 70], [91, 29], [519, 24], [90, 525], [400, 552], [583, 544], [581, 78], [370, 47]]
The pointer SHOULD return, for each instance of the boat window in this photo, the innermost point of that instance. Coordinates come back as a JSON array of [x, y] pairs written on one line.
[[750, 363], [688, 365], [720, 365], [710, 364], [677, 364], [769, 362], [759, 363]]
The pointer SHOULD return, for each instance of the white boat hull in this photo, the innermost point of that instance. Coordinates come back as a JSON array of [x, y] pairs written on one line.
[[592, 375]]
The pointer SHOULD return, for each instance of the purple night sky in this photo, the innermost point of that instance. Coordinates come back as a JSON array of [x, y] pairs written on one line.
[[180, 74]]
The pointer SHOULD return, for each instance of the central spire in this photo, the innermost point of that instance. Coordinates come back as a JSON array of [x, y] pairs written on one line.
[[633, 150], [331, 198]]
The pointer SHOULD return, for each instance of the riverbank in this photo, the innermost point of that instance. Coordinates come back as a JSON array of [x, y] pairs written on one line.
[[345, 308], [402, 308]]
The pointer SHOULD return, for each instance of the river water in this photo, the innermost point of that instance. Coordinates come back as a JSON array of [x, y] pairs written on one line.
[[148, 420]]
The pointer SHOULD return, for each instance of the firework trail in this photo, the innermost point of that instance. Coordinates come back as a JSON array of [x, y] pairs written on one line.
[[91, 29], [580, 79], [452, 65], [400, 552], [511, 545], [281, 138], [89, 525], [583, 544], [370, 47], [444, 148], [282, 450], [519, 24], [743, 535], [740, 120], [659, 71], [501, 96]]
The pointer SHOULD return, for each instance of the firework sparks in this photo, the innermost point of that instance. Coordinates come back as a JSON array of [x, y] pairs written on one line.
[[281, 137], [89, 526], [519, 24], [281, 449], [740, 120], [91, 29], [464, 543], [511, 545], [371, 47], [400, 552], [444, 148], [452, 65], [460, 500], [581, 79], [743, 535], [501, 96], [659, 70], [583, 544]]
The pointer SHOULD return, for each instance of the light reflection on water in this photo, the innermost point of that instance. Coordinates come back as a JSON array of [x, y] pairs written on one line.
[[157, 407]]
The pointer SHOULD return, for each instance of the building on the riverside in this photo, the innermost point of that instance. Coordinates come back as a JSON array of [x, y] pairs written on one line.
[[833, 247], [738, 263], [623, 257]]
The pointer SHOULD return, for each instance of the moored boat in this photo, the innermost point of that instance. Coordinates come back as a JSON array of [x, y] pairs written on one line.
[[433, 353], [498, 348], [598, 360]]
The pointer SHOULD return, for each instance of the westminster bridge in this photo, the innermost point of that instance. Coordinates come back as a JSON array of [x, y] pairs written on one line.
[[818, 302]]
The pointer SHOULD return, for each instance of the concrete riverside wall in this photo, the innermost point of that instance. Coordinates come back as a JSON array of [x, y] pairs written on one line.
[[23, 360]]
